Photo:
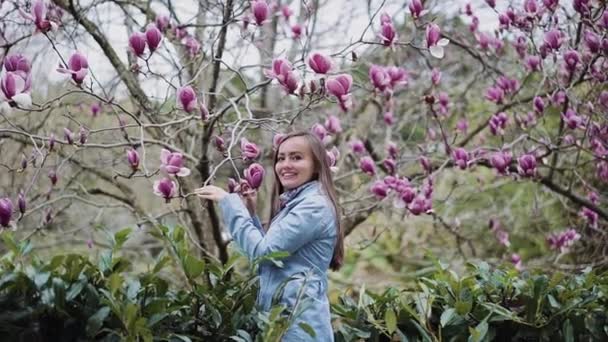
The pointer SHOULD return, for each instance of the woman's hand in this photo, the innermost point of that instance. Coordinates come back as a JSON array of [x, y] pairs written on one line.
[[211, 192], [250, 198]]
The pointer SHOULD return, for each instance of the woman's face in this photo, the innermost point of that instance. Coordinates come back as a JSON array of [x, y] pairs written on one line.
[[295, 165]]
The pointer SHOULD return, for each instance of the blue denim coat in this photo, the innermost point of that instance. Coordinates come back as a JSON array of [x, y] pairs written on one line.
[[306, 228]]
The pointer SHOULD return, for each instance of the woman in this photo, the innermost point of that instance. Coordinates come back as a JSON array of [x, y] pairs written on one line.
[[303, 221]]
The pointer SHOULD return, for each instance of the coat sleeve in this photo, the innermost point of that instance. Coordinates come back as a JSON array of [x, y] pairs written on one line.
[[301, 225]]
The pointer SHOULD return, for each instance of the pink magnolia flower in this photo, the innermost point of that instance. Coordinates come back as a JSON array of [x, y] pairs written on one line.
[[390, 165], [462, 125], [498, 123], [602, 171], [436, 76], [319, 130], [551, 5], [501, 161], [339, 86], [495, 94], [527, 165], [319, 63], [53, 177], [260, 11], [531, 7], [379, 78], [283, 73], [172, 163], [572, 119], [553, 39], [379, 189], [491, 3], [582, 6], [333, 125], [39, 16], [68, 135], [165, 188], [357, 146], [232, 185], [389, 118], [219, 143], [6, 211], [296, 31], [603, 22], [367, 165], [392, 149], [434, 41], [398, 76], [249, 150], [83, 134], [388, 34], [21, 202], [17, 62], [286, 11], [192, 46], [532, 63], [162, 22], [137, 43], [418, 205], [508, 85], [332, 158], [461, 157], [186, 98], [592, 41], [426, 164], [504, 21], [539, 104], [516, 261], [254, 175], [15, 87], [133, 159], [563, 240], [95, 109], [416, 8], [153, 37], [571, 60], [78, 67]]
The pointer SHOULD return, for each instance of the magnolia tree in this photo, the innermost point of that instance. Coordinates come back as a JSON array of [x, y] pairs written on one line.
[[428, 116]]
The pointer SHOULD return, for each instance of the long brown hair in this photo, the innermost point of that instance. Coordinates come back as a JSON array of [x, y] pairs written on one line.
[[322, 173]]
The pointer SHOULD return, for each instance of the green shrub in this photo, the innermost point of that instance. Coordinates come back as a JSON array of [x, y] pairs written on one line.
[[181, 297]]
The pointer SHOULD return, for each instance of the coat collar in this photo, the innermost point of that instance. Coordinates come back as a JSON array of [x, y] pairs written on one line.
[[289, 195]]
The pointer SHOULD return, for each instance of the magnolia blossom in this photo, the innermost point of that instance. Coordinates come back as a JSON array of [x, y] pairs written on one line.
[[39, 16], [219, 143], [436, 76], [186, 98], [379, 189], [516, 261], [277, 139], [17, 62], [172, 163], [434, 41], [367, 166], [133, 159], [461, 157], [563, 240], [137, 43], [254, 175], [332, 124], [379, 77], [6, 211], [249, 150], [319, 63], [501, 161], [527, 165], [283, 72], [357, 146], [572, 119], [165, 188], [319, 130], [388, 34], [15, 87], [332, 158], [340, 87], [153, 37], [21, 202], [498, 123], [392, 149], [260, 11], [162, 22], [416, 8], [78, 67]]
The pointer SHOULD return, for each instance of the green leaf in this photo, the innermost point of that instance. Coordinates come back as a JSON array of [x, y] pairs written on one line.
[[447, 316], [308, 329], [75, 290], [115, 282], [553, 302], [479, 332], [567, 331], [463, 308], [176, 337], [121, 237], [95, 322], [41, 278], [391, 320], [193, 266]]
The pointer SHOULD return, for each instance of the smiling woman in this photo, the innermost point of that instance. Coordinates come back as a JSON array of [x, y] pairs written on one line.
[[304, 221]]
